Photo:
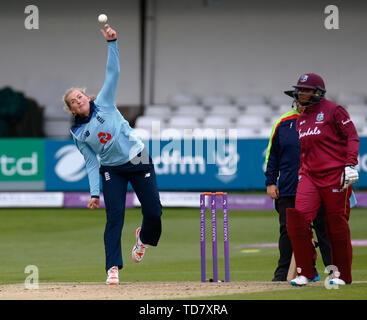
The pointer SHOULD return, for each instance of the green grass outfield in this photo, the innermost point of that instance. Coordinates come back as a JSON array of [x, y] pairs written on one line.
[[67, 246]]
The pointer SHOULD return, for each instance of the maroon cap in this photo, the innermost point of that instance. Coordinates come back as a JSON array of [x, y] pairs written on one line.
[[310, 81]]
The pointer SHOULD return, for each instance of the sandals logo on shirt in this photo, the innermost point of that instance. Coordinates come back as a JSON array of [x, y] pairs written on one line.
[[309, 132], [104, 137]]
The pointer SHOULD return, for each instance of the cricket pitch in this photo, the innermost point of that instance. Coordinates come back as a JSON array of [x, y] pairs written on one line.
[[133, 290]]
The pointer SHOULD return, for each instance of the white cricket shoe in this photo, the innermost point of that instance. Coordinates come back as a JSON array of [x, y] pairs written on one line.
[[299, 281], [337, 281], [138, 251], [112, 276]]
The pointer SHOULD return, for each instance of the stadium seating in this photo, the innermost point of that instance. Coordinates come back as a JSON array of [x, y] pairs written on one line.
[[182, 99], [283, 108], [360, 109], [252, 115], [213, 100], [261, 109], [363, 132], [245, 133], [224, 110], [280, 99], [251, 121], [189, 110], [219, 122], [245, 100], [158, 110], [184, 122], [359, 121], [348, 98]]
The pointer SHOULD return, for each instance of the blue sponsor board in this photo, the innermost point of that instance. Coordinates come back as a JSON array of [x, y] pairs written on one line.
[[65, 166], [181, 165], [209, 165]]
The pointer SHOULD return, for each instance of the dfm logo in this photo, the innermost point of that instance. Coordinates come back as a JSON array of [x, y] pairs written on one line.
[[104, 137]]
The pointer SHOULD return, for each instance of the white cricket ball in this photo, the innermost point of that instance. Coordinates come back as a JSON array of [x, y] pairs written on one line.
[[102, 18]]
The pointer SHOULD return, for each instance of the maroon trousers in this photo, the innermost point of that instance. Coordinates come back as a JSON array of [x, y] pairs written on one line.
[[308, 200]]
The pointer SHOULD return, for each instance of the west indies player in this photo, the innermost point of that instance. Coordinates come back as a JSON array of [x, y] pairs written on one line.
[[329, 152]]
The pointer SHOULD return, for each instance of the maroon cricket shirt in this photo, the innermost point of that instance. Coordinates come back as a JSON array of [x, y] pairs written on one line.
[[328, 141]]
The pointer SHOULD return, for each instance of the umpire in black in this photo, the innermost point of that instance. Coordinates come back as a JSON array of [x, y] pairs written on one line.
[[282, 165]]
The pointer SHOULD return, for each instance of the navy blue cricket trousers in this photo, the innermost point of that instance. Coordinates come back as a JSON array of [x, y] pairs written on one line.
[[143, 180]]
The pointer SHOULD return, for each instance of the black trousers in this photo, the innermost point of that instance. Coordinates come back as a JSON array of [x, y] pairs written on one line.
[[284, 244], [142, 177]]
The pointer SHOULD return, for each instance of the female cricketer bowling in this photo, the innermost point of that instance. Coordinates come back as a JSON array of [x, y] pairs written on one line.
[[99, 129], [329, 154]]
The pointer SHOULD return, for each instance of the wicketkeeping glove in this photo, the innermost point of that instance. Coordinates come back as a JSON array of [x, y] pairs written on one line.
[[349, 176]]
